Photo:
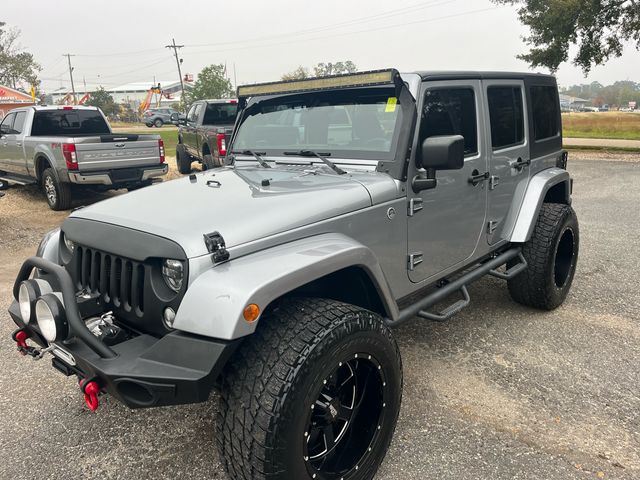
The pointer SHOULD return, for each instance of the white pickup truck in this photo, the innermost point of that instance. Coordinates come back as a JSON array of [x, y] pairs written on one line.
[[58, 147]]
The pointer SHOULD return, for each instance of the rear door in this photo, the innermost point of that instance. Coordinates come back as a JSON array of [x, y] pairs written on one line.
[[11, 151], [509, 160]]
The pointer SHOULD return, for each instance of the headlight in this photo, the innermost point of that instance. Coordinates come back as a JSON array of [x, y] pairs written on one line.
[[28, 293], [45, 240], [68, 243], [51, 317], [173, 274]]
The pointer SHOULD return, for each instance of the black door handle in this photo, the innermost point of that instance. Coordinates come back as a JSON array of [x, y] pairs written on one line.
[[477, 177], [520, 164]]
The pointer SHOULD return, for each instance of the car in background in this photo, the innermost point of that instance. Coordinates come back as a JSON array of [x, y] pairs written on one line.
[[157, 117], [204, 133]]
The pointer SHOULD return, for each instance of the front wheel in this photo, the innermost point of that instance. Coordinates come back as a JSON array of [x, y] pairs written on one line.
[[552, 256], [158, 122], [313, 394]]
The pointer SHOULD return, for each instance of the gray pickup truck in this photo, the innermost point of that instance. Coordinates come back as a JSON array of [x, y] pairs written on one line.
[[204, 133], [61, 147], [352, 204]]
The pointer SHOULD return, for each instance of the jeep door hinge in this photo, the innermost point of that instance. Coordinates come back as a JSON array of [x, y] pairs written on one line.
[[491, 226], [494, 181], [415, 259], [415, 205]]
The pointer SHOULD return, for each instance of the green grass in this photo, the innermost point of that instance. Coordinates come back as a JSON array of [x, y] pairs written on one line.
[[601, 149], [614, 125], [170, 138]]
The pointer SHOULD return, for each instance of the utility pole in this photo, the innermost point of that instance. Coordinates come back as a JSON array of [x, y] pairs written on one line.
[[175, 52], [73, 88]]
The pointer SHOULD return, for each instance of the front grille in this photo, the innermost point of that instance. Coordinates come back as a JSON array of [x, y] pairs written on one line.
[[118, 280]]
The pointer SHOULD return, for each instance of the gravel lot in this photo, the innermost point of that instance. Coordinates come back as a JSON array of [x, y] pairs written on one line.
[[499, 392]]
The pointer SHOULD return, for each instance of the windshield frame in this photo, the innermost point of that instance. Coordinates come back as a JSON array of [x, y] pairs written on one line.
[[400, 142]]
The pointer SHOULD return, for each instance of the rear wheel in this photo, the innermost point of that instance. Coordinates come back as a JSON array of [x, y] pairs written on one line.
[[551, 255], [208, 162], [158, 122], [58, 194], [313, 394], [183, 159]]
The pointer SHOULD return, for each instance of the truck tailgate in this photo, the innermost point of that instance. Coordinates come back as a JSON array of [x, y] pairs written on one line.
[[116, 152]]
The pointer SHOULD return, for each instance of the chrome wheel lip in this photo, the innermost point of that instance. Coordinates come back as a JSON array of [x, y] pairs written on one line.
[[367, 449], [50, 190]]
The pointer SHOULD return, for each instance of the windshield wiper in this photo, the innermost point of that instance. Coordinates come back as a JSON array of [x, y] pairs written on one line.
[[321, 156], [256, 155]]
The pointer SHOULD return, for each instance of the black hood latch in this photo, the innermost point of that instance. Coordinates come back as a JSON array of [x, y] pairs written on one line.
[[216, 246]]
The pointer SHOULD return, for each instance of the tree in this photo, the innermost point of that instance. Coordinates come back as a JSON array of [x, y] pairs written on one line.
[[598, 28], [17, 68], [299, 73], [326, 69], [211, 83], [104, 101]]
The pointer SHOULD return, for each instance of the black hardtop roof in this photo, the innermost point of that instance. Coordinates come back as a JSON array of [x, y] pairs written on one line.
[[482, 75]]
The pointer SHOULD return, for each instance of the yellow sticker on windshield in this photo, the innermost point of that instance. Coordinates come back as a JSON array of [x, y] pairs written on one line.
[[391, 105]]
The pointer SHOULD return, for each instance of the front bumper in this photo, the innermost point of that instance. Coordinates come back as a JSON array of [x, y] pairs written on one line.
[[110, 177], [144, 371]]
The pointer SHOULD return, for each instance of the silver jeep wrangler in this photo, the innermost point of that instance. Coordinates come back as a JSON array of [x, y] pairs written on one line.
[[348, 205]]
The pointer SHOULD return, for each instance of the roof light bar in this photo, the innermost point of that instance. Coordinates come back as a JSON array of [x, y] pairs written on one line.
[[360, 79]]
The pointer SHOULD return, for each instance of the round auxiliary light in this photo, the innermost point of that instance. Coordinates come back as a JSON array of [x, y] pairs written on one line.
[[51, 318], [251, 312], [169, 316], [28, 293]]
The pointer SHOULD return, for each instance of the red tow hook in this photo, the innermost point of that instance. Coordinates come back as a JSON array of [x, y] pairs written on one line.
[[90, 389], [21, 341]]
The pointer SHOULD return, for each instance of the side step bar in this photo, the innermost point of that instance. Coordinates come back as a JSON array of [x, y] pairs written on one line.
[[17, 180], [460, 284]]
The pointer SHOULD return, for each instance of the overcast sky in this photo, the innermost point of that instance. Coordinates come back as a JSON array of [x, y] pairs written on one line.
[[117, 41]]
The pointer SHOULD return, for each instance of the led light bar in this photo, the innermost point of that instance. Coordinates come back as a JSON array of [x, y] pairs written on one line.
[[360, 79]]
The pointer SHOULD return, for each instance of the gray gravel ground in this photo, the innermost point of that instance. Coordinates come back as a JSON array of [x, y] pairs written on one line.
[[499, 392]]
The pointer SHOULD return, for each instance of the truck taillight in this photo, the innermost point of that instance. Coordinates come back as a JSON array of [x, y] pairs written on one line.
[[161, 147], [70, 157], [222, 144]]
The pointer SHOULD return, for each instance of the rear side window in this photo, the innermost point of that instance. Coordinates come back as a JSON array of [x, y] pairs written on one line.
[[18, 124], [451, 112], [544, 104], [69, 123], [507, 119], [220, 114]]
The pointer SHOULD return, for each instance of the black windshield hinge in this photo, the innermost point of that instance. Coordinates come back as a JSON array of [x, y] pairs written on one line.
[[216, 246]]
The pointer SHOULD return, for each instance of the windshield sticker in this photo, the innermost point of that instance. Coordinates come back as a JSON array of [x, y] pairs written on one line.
[[391, 105]]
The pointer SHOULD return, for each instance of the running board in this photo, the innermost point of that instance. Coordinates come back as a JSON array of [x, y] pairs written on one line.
[[451, 310], [420, 307], [18, 181]]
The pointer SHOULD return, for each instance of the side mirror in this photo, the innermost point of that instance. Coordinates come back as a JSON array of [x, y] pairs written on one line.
[[438, 153]]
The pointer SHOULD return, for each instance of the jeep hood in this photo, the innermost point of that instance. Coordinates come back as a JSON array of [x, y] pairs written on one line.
[[243, 204]]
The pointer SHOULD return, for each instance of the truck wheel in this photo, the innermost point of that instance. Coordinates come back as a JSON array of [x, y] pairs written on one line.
[[183, 160], [552, 255], [158, 122], [208, 162], [58, 194], [314, 393]]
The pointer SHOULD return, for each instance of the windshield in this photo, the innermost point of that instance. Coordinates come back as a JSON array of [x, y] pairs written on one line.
[[69, 123], [353, 123]]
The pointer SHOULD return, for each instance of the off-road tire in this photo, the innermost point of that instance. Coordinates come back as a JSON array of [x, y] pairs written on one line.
[[57, 194], [183, 160], [158, 122], [268, 387], [208, 162], [551, 255]]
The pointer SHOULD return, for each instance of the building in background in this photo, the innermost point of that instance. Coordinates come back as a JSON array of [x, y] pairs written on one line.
[[573, 104], [11, 98]]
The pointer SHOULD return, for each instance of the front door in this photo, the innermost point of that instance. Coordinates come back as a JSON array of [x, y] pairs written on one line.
[[189, 135], [506, 114], [446, 223]]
